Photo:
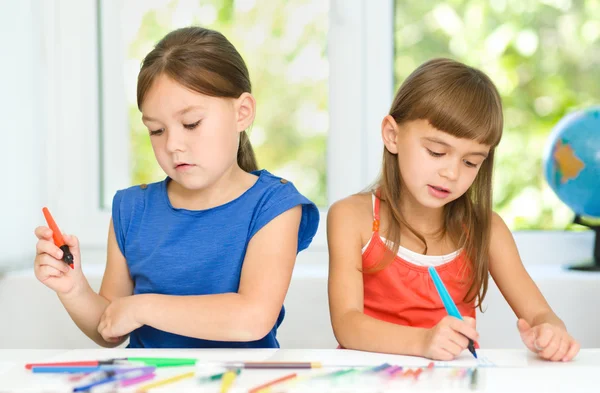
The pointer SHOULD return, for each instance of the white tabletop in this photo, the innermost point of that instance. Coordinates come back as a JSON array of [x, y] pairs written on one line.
[[498, 371]]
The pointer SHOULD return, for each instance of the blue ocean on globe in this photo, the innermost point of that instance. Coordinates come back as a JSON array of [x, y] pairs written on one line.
[[572, 161]]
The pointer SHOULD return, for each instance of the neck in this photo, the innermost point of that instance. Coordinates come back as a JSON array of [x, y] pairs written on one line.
[[233, 183], [425, 220]]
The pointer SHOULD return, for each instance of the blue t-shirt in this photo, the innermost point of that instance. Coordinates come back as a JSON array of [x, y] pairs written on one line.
[[173, 251]]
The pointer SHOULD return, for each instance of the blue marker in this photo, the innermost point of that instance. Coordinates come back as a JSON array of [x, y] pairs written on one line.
[[118, 369], [107, 377], [115, 376], [71, 370], [448, 303]]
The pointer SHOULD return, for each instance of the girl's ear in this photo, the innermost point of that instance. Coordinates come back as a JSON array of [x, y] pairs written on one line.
[[245, 108], [389, 134]]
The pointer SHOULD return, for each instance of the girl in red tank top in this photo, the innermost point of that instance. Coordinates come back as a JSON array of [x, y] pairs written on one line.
[[432, 207]]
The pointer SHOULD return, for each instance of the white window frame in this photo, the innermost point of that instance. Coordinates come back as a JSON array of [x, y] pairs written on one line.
[[81, 172], [360, 53], [76, 143]]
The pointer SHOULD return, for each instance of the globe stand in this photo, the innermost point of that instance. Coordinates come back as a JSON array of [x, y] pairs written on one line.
[[595, 266]]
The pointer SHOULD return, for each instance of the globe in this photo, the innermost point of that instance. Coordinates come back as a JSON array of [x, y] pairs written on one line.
[[572, 161]]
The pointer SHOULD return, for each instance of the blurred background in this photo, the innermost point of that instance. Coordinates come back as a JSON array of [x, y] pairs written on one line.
[[541, 55]]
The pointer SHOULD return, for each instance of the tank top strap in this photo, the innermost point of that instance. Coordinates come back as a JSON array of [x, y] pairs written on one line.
[[376, 202]]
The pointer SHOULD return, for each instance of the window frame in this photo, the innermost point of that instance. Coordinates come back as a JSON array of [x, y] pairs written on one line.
[[85, 85]]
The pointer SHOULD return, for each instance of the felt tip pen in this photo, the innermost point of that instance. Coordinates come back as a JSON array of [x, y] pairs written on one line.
[[448, 303], [58, 238]]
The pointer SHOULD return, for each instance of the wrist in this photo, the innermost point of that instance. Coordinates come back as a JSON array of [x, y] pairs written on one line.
[[141, 307], [78, 291], [550, 318], [420, 342]]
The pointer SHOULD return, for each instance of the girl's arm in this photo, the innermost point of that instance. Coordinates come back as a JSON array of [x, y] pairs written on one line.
[[247, 315], [355, 330], [86, 306], [541, 329]]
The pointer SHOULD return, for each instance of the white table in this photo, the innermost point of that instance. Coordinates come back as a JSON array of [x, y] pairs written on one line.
[[499, 371]]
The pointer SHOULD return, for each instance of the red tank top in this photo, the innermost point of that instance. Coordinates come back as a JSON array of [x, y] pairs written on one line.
[[403, 293]]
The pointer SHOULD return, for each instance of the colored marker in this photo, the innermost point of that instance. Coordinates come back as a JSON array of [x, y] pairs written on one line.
[[133, 380], [176, 378], [85, 363], [94, 364], [448, 303], [273, 365], [165, 362], [86, 369], [126, 378], [228, 379], [474, 379], [392, 371], [58, 239], [214, 377], [71, 369], [379, 368], [271, 383], [100, 380]]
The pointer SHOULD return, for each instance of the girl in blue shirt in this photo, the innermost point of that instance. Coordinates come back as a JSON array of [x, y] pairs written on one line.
[[202, 259]]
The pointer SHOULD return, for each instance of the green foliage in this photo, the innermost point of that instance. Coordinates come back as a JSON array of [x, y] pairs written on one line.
[[543, 57], [283, 44]]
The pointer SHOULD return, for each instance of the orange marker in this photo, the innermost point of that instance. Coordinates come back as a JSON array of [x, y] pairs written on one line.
[[58, 239], [271, 383]]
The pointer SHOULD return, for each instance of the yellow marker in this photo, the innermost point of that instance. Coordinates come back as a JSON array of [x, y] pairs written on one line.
[[228, 379], [145, 388]]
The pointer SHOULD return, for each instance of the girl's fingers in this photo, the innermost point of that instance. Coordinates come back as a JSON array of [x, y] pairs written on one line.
[[47, 272], [463, 328], [71, 240], [544, 336], [101, 326], [47, 260], [453, 348], [43, 233], [444, 355], [573, 351], [47, 247], [550, 348], [563, 347], [459, 340]]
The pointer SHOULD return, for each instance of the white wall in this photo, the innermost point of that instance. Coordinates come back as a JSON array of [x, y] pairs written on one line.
[[22, 130], [32, 316]]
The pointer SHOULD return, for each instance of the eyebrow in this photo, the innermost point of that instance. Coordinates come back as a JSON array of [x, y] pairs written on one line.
[[443, 143], [178, 113]]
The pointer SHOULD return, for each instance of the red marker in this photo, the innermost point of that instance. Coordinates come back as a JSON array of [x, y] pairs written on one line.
[[58, 239]]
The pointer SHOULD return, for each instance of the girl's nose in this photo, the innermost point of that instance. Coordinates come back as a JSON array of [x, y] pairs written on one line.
[[175, 141], [450, 171]]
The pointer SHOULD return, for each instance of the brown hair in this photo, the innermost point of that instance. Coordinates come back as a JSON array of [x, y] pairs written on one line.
[[206, 62], [461, 101]]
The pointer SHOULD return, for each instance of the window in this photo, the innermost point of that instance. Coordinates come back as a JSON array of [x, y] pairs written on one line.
[[322, 133], [540, 56], [284, 46]]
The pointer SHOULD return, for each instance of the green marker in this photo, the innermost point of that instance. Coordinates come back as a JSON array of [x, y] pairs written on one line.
[[339, 373], [215, 377], [165, 362]]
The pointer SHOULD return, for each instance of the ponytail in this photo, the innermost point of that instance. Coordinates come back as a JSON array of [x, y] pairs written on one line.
[[245, 155]]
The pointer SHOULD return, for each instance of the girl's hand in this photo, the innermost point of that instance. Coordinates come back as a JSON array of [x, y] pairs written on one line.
[[449, 338], [550, 342], [119, 318], [50, 269]]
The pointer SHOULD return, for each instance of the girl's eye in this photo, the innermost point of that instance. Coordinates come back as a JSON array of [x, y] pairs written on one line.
[[470, 164], [191, 126], [157, 132], [434, 154]]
